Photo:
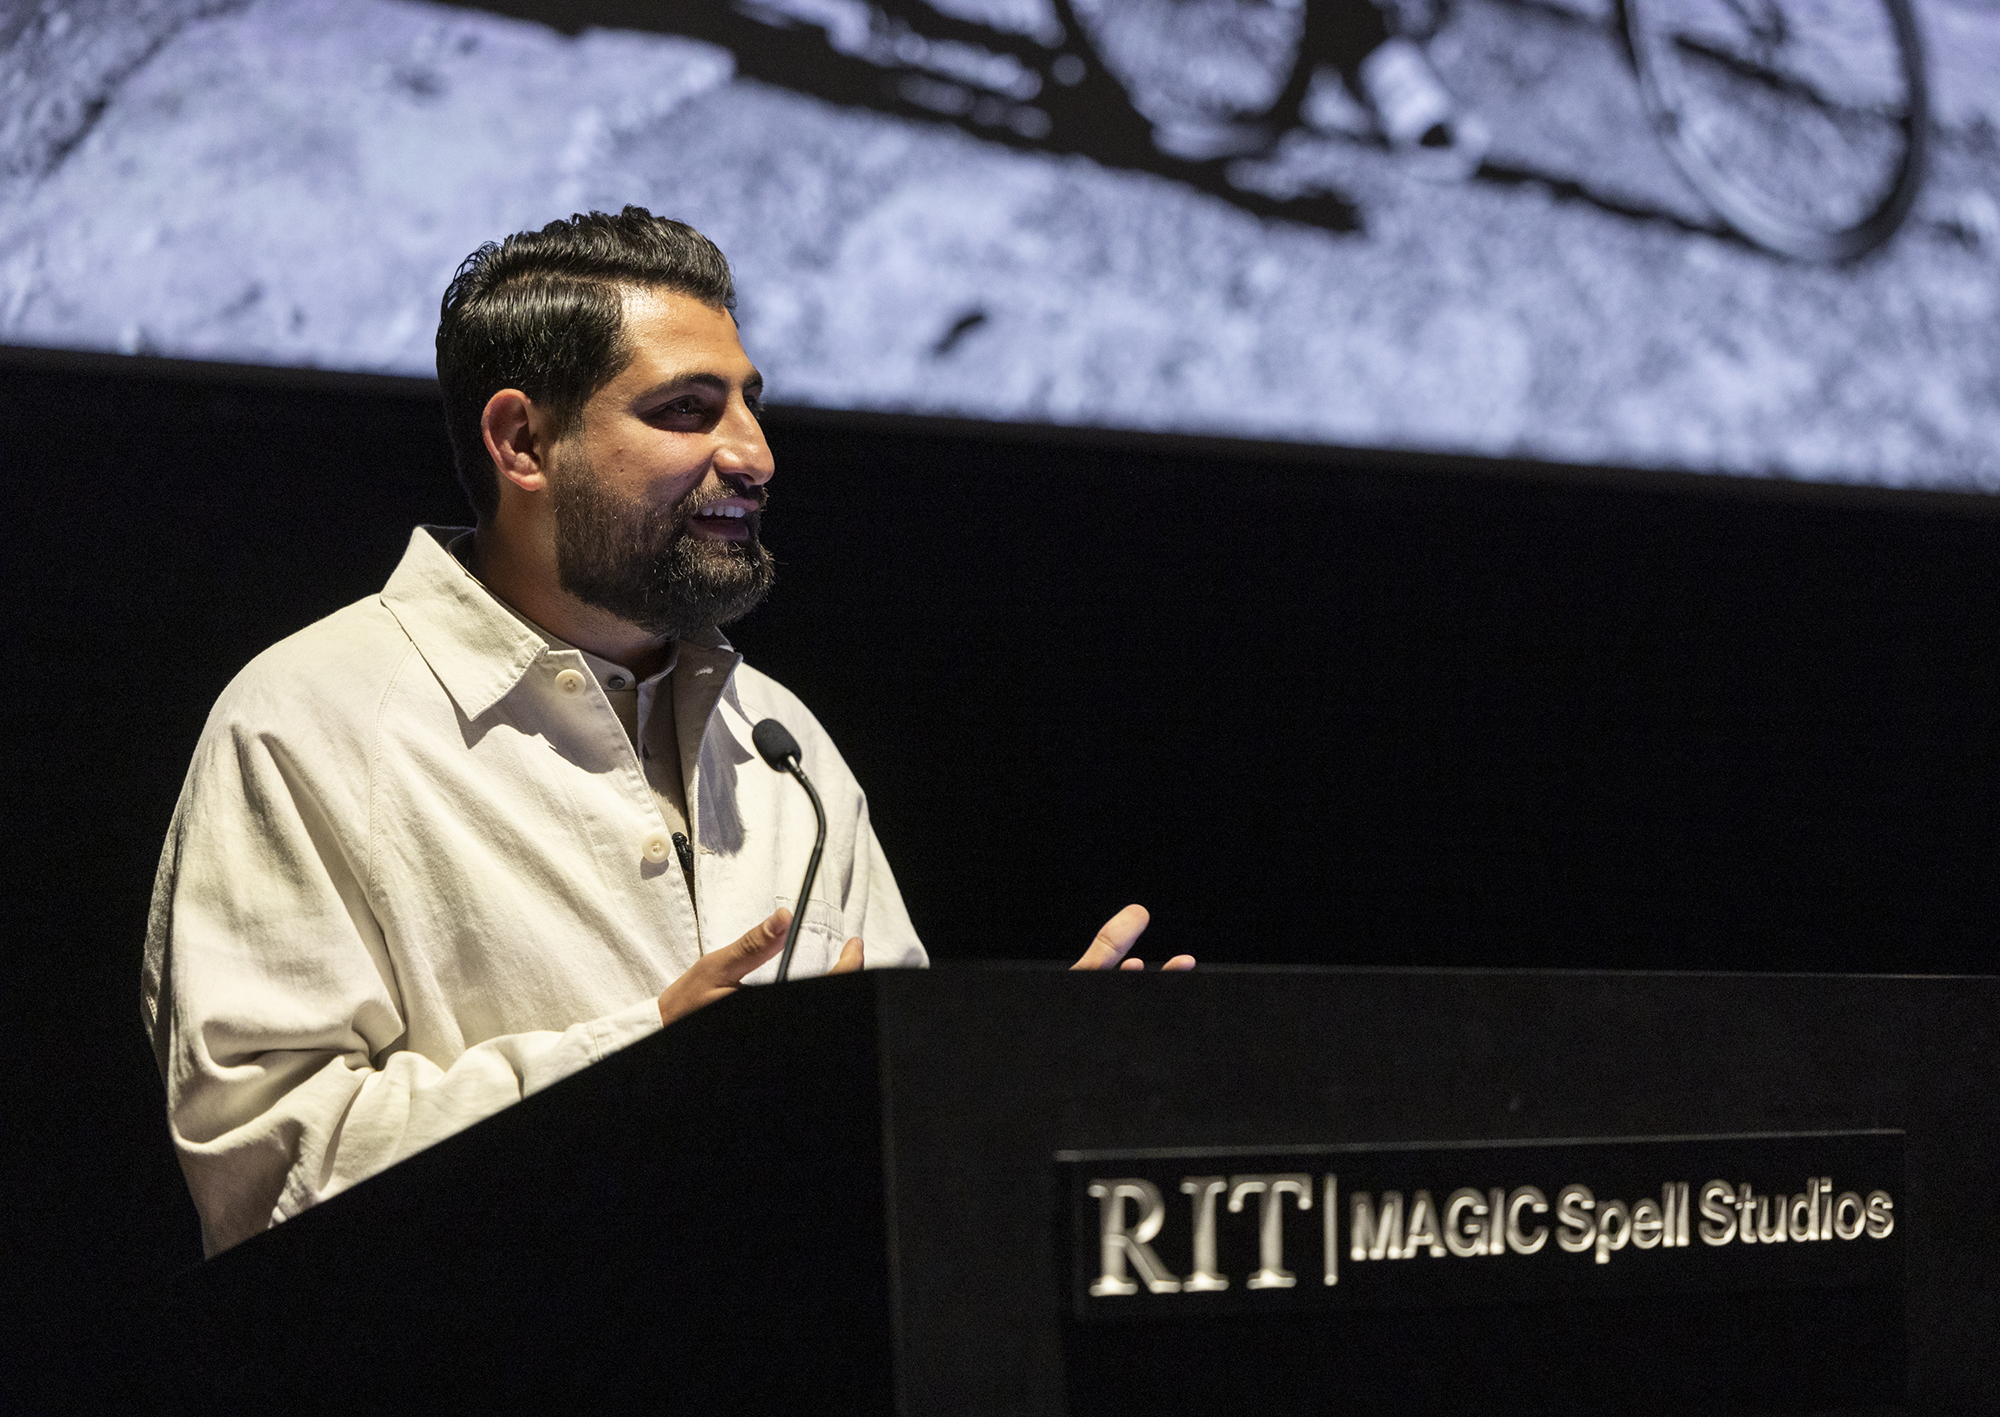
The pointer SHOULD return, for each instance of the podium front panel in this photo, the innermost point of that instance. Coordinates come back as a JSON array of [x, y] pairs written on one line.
[[1011, 1090]]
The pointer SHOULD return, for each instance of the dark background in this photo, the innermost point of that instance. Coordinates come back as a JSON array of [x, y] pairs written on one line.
[[1308, 706]]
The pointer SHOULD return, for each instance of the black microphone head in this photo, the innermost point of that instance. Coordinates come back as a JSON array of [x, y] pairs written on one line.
[[775, 744]]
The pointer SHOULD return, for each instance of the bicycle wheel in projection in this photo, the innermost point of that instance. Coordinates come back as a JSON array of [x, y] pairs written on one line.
[[1205, 73], [1803, 122]]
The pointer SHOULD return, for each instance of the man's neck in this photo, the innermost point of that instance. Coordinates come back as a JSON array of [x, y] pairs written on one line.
[[533, 590]]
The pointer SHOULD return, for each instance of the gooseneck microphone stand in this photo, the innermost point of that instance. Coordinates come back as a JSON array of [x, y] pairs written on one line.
[[780, 751]]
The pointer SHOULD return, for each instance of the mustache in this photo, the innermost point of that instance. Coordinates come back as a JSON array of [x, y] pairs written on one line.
[[699, 498]]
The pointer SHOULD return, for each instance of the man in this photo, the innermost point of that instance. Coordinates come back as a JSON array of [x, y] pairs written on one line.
[[463, 838]]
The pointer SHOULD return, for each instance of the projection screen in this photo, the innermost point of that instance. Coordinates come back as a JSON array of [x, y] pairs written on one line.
[[1744, 236]]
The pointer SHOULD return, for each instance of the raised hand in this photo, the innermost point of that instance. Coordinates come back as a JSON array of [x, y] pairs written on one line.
[[1110, 950]]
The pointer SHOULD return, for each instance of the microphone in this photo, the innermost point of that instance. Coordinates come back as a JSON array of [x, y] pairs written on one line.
[[776, 746]]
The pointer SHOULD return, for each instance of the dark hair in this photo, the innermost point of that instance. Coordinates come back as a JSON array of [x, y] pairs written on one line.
[[543, 312]]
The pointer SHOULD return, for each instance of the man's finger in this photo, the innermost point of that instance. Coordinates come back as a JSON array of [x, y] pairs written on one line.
[[850, 957], [717, 974], [1119, 934], [758, 944], [1179, 962], [1133, 964]]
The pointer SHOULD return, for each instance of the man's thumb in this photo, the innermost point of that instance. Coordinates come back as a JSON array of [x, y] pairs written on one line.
[[761, 939], [758, 944]]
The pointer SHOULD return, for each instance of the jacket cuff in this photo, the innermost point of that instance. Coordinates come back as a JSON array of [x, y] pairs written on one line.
[[627, 1026]]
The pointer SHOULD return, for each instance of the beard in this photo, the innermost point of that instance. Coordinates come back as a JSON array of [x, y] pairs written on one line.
[[640, 562]]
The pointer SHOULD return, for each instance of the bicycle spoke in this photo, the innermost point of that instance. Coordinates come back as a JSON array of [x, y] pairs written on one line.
[[1799, 119]]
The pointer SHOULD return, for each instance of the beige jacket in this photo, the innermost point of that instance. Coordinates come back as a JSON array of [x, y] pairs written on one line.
[[417, 873]]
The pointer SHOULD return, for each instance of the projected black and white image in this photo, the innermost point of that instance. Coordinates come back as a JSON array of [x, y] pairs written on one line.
[[1751, 236]]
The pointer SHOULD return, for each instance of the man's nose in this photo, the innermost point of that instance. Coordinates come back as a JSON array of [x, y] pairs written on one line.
[[741, 452]]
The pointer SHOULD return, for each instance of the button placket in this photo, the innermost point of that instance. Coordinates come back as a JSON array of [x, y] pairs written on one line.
[[655, 843], [658, 845]]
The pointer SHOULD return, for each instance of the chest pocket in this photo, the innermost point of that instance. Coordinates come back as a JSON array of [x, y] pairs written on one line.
[[821, 934]]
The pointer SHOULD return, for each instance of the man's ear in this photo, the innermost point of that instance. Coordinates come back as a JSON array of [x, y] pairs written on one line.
[[515, 432]]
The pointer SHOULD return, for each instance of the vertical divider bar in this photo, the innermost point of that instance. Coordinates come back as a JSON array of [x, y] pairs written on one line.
[[1330, 1226]]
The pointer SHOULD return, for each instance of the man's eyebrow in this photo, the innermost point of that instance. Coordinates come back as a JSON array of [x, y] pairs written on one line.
[[714, 383]]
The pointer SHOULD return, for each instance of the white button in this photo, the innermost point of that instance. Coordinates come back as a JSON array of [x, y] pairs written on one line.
[[570, 681], [655, 846]]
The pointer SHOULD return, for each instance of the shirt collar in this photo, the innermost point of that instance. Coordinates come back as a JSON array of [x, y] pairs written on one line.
[[478, 646], [612, 676]]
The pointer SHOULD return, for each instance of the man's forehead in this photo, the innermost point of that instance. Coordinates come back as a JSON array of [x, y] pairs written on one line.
[[658, 321]]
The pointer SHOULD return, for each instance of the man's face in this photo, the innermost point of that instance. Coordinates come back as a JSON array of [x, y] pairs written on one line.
[[658, 489]]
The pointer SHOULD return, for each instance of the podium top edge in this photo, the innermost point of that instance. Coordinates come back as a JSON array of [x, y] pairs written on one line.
[[1036, 966], [1070, 1157]]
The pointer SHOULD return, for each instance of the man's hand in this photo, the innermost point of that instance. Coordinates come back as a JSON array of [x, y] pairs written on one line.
[[719, 973], [1120, 933]]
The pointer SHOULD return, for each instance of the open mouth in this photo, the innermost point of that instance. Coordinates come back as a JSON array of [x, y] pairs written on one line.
[[725, 521]]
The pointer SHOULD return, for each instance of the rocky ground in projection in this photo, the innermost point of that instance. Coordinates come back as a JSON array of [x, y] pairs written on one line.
[[288, 181]]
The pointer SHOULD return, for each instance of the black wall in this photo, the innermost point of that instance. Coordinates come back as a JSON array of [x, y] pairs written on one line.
[[1307, 706]]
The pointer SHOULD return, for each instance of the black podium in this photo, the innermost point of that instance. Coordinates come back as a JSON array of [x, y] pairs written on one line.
[[1019, 1190]]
